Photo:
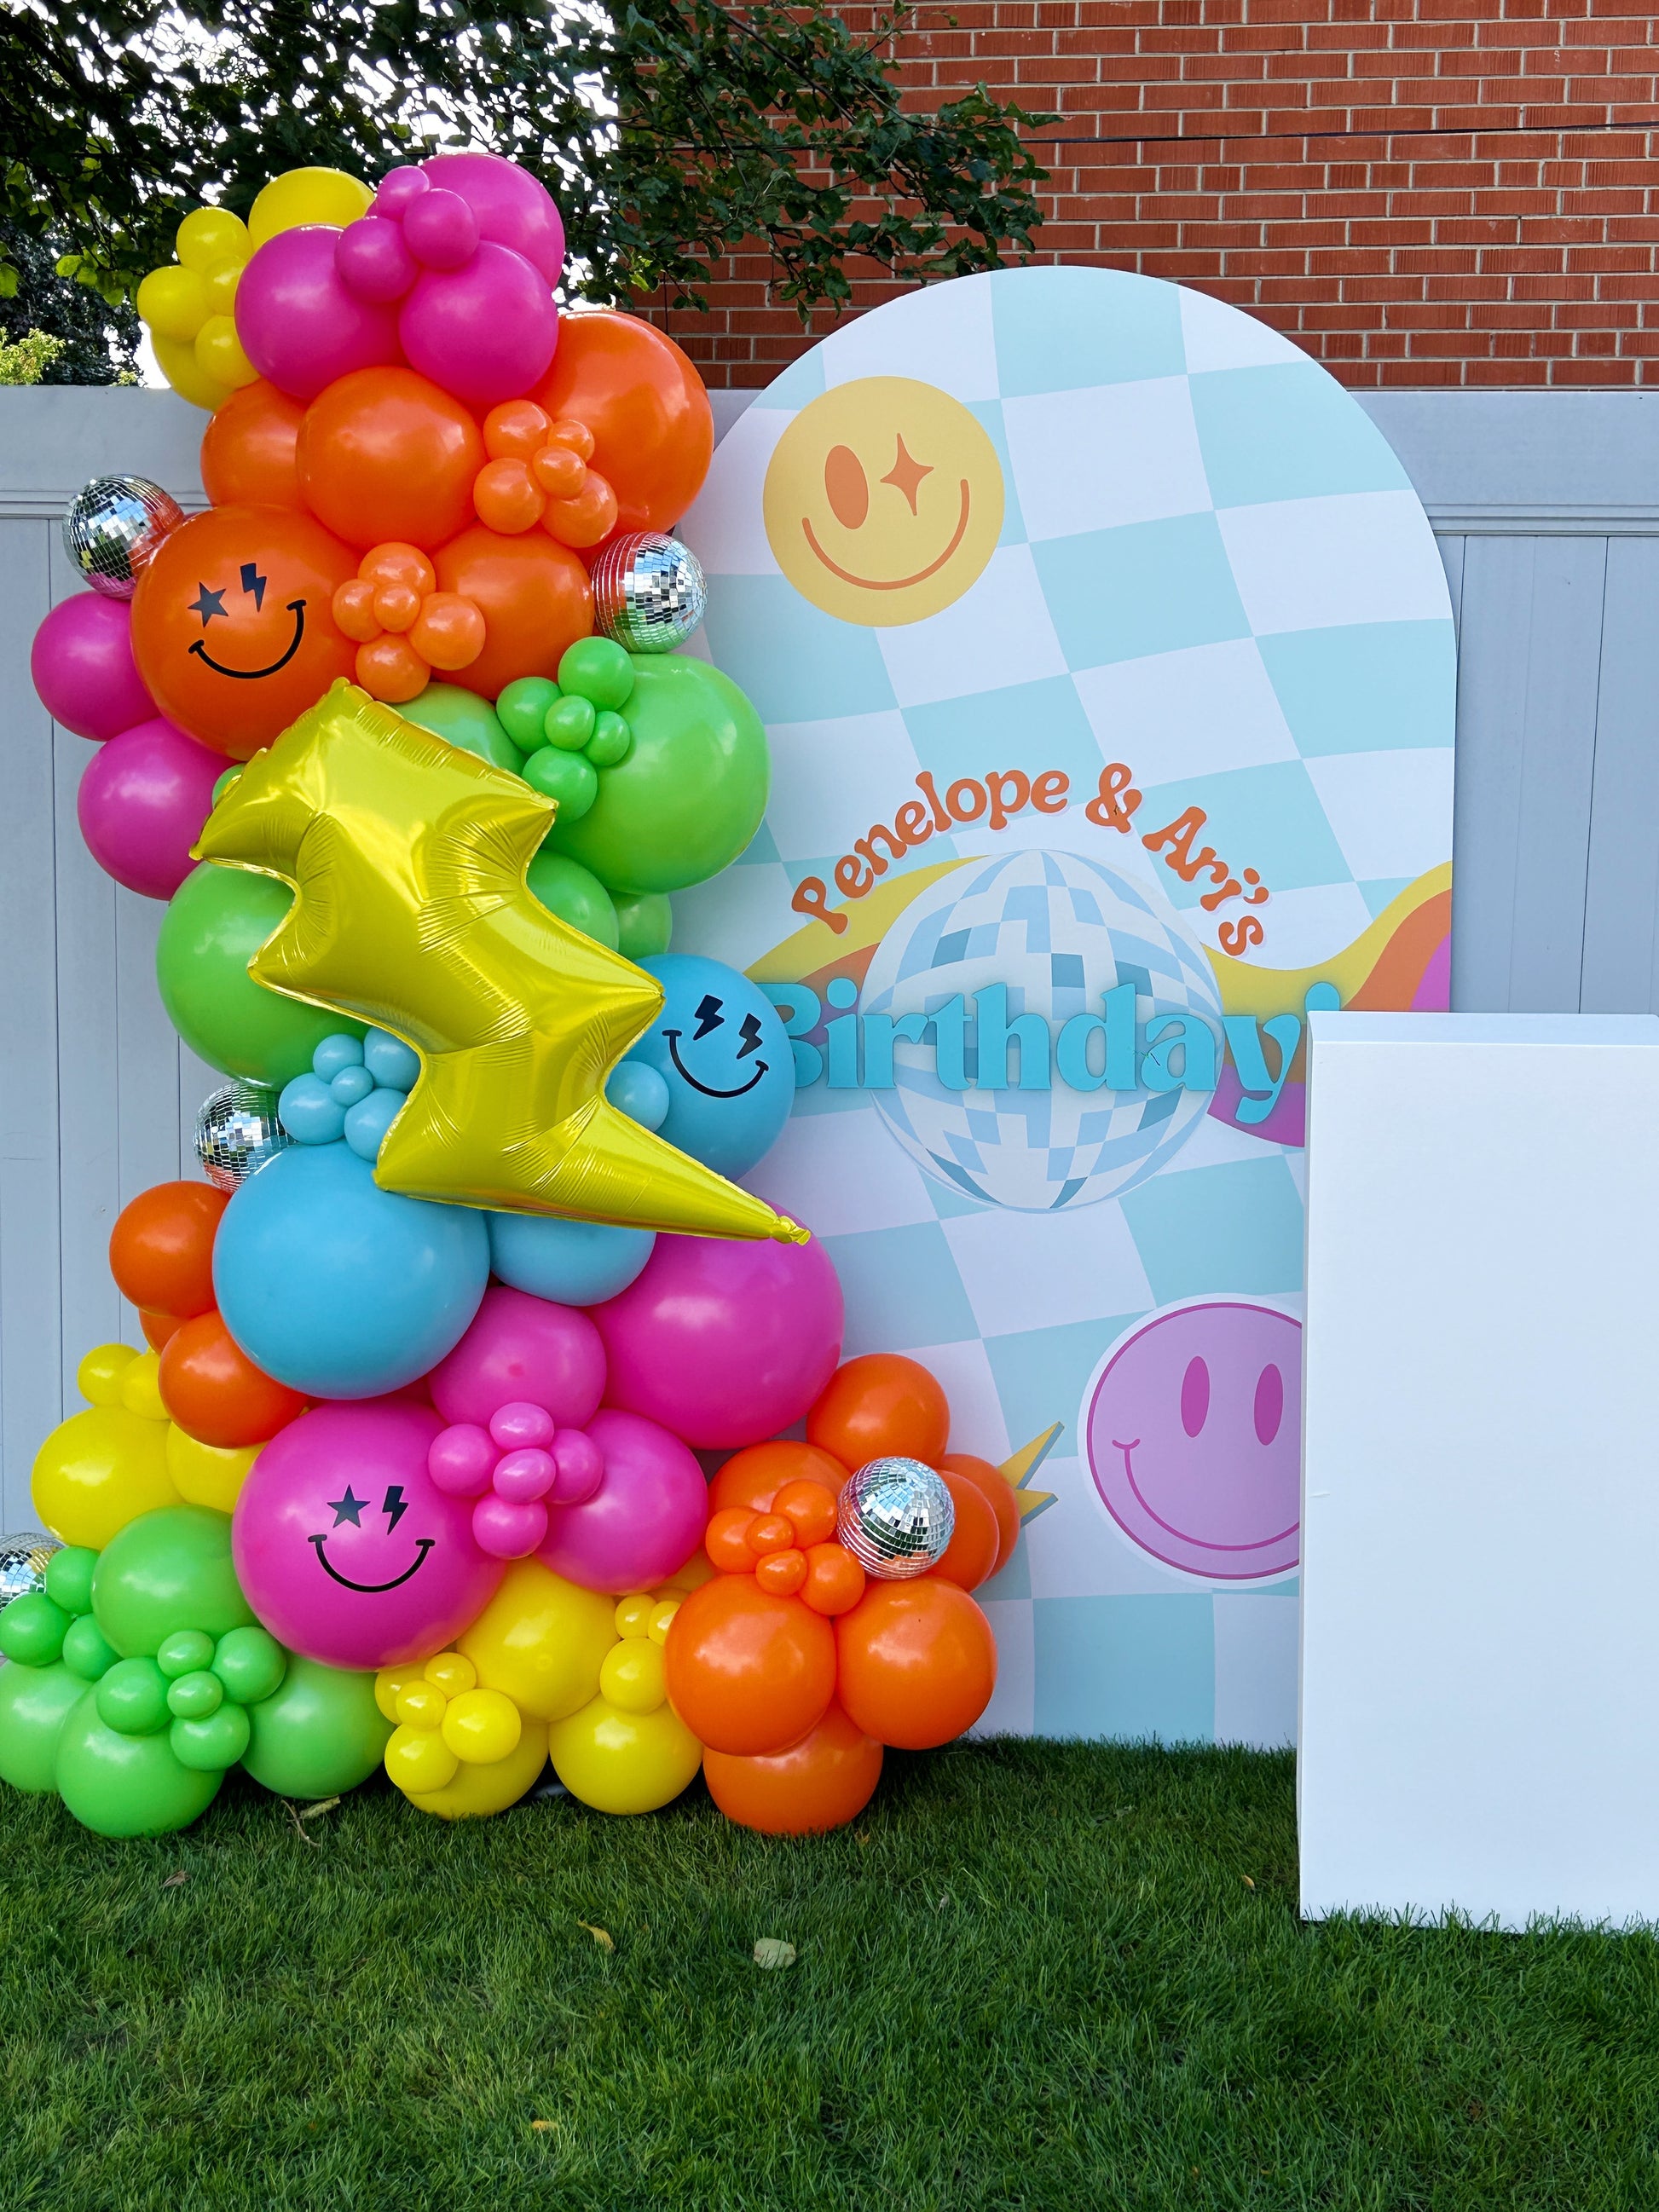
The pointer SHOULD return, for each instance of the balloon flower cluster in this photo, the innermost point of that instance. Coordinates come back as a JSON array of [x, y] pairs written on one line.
[[407, 1475]]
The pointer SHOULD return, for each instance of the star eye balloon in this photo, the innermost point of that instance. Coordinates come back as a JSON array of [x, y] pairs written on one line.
[[408, 859]]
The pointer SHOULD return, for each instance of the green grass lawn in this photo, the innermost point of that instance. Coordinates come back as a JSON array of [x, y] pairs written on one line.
[[1032, 1975]]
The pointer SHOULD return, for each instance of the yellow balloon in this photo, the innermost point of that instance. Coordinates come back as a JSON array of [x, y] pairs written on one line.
[[208, 1475], [173, 303], [633, 1613], [452, 1673], [97, 1379], [219, 283], [634, 1677], [304, 195], [621, 1762], [418, 1759], [141, 1387], [481, 1727], [176, 359], [390, 1685], [219, 354], [99, 1470], [541, 1640], [408, 859], [211, 235]]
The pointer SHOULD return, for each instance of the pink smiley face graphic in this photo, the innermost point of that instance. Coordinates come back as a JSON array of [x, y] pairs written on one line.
[[347, 1549], [1193, 1437]]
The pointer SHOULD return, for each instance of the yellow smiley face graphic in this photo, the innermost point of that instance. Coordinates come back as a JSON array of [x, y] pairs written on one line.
[[883, 500]]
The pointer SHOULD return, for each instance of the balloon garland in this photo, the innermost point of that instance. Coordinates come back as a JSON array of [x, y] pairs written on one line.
[[406, 1476]]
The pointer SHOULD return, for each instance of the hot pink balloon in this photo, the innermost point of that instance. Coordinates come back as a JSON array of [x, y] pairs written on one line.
[[485, 332], [83, 667], [142, 800], [511, 207], [643, 1522], [345, 1547], [522, 1350], [724, 1342], [299, 324]]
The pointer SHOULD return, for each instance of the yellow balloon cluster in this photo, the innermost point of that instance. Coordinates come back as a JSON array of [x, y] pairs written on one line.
[[457, 1750], [408, 859], [124, 1457], [627, 1750], [189, 306]]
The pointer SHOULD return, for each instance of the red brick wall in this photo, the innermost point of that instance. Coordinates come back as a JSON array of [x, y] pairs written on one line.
[[1417, 192]]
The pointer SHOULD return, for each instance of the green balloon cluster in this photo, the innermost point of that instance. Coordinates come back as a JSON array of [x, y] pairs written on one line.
[[139, 1675]]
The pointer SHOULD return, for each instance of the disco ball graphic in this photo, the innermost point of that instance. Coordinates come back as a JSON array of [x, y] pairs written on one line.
[[237, 1133], [648, 592], [896, 1517], [114, 529], [1058, 930]]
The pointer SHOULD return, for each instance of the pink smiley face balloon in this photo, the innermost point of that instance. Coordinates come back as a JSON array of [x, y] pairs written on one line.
[[1193, 1437], [348, 1550]]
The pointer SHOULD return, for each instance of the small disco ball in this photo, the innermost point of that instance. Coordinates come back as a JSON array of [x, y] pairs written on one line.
[[237, 1133], [896, 1517], [114, 529], [648, 591], [23, 1564]]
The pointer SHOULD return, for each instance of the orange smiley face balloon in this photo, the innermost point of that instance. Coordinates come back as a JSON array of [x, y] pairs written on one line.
[[232, 625]]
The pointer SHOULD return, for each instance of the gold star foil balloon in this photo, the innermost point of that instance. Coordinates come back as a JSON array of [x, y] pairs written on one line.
[[407, 858]]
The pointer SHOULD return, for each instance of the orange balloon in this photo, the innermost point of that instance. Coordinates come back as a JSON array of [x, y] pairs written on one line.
[[917, 1661], [822, 1781], [726, 1540], [161, 1249], [534, 597], [214, 1390], [748, 1672], [448, 632], [248, 449], [383, 453], [1004, 1498], [879, 1405], [157, 1328], [835, 1580], [970, 1557], [753, 1477], [232, 623], [809, 1510], [781, 1572], [646, 405]]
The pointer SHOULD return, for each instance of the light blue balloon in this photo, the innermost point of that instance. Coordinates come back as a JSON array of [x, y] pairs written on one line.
[[634, 1088], [393, 1064], [574, 1263], [368, 1122], [309, 1111], [339, 1288], [351, 1085], [336, 1052], [719, 1043]]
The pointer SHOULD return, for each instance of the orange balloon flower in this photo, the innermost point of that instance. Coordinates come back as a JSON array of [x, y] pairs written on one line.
[[538, 471], [405, 627]]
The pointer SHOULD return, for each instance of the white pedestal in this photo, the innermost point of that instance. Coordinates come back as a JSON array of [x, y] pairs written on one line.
[[1480, 1724]]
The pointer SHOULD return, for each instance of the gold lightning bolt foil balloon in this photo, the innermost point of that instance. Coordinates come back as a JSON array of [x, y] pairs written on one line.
[[407, 858]]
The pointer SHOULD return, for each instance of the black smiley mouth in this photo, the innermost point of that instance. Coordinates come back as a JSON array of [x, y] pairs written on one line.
[[422, 1546], [297, 609], [673, 1038]]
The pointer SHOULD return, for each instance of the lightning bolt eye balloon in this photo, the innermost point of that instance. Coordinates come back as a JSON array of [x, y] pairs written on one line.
[[407, 858]]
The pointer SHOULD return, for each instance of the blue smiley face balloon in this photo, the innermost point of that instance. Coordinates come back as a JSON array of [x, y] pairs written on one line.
[[720, 1046]]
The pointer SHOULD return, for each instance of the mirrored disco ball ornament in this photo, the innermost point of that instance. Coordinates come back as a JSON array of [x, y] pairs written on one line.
[[648, 591], [896, 1517], [114, 529], [237, 1133], [23, 1564]]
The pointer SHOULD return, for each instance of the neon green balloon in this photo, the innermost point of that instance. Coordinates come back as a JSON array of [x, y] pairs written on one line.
[[645, 923], [166, 1571], [217, 921], [34, 1702], [320, 1734], [566, 889], [126, 1785], [691, 793], [465, 721]]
